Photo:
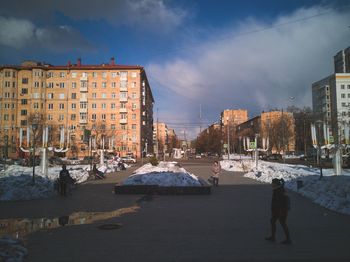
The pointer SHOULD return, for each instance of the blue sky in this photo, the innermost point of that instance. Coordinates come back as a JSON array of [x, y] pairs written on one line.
[[217, 54]]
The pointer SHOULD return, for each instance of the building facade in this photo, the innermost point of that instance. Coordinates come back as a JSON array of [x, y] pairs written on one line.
[[342, 61], [105, 106]]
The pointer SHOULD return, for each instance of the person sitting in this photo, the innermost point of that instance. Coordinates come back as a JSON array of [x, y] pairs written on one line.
[[97, 173]]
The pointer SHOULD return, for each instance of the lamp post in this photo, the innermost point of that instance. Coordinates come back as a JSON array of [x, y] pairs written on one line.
[[319, 152], [228, 138], [34, 129]]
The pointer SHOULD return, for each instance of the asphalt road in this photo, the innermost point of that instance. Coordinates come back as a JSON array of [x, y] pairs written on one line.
[[228, 225]]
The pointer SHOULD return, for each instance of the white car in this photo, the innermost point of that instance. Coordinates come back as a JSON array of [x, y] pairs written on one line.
[[198, 156], [128, 159]]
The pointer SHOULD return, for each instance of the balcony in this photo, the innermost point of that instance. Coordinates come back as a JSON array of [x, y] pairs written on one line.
[[125, 88], [123, 99], [123, 121], [123, 110], [83, 89], [83, 121], [83, 99], [83, 78], [83, 110]]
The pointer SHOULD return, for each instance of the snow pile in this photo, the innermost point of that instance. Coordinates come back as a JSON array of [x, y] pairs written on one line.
[[12, 250], [165, 174], [332, 192], [16, 181]]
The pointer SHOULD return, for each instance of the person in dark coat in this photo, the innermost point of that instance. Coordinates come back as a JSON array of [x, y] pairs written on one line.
[[279, 210], [64, 180]]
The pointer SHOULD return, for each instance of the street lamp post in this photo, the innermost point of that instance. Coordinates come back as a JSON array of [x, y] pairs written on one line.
[[319, 152], [228, 139], [34, 128]]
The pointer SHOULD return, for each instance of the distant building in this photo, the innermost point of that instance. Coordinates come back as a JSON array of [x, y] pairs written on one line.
[[342, 61], [233, 117], [113, 102]]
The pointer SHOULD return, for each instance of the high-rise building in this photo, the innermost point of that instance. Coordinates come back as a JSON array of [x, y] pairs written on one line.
[[342, 61], [106, 106]]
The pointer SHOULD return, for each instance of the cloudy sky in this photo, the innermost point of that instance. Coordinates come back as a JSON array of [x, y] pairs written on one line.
[[215, 55]]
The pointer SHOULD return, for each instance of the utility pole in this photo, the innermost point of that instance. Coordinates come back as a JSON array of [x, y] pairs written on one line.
[[228, 138]]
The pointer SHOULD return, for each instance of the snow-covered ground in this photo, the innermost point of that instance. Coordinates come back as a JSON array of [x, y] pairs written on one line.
[[332, 192], [16, 181], [165, 174]]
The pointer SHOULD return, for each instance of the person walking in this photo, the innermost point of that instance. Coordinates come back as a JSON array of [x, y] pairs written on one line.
[[280, 205], [64, 180], [216, 170]]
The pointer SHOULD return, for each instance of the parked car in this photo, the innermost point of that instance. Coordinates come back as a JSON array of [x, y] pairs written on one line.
[[271, 157], [198, 156], [128, 159]]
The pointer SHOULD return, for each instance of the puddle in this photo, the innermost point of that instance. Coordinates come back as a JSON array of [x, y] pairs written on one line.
[[19, 228]]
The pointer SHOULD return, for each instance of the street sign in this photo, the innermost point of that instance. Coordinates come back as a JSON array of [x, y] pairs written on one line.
[[331, 139], [225, 145], [252, 145]]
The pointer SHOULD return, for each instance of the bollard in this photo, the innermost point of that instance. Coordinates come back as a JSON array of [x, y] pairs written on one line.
[[299, 184]]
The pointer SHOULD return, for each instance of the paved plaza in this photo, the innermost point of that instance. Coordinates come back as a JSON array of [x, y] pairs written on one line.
[[228, 225]]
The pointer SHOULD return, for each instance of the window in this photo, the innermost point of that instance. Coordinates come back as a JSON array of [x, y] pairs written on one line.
[[73, 117], [123, 127], [113, 95], [93, 106], [134, 106], [123, 75], [122, 105], [133, 126], [24, 101], [61, 96], [49, 117], [104, 84], [61, 118], [84, 74], [113, 105], [6, 117], [343, 113], [74, 74], [93, 116], [123, 116], [74, 95], [133, 74], [14, 84], [61, 85], [36, 105], [24, 80], [83, 84], [123, 95], [83, 116], [62, 74], [7, 84], [23, 112], [103, 106], [114, 74], [23, 122], [24, 91], [7, 73], [124, 137], [50, 74], [133, 116], [83, 105], [50, 85], [113, 126], [61, 106], [104, 74], [94, 95], [74, 105], [74, 85], [50, 95], [133, 84], [94, 84], [94, 74], [36, 84], [113, 84], [343, 104], [112, 116], [133, 95], [103, 116], [342, 86], [133, 138], [104, 95], [348, 86], [342, 95]]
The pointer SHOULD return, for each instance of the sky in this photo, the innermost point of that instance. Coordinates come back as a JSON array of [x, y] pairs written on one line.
[[201, 57]]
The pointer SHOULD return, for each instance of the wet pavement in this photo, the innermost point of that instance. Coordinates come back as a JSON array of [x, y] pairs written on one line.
[[228, 225]]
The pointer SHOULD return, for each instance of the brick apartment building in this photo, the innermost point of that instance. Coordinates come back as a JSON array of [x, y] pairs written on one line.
[[111, 104]]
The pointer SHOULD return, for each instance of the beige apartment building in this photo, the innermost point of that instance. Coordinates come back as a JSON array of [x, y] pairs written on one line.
[[106, 106]]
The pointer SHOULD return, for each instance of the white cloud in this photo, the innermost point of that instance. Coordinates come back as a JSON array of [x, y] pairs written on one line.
[[15, 32], [255, 71], [21, 34], [152, 15]]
